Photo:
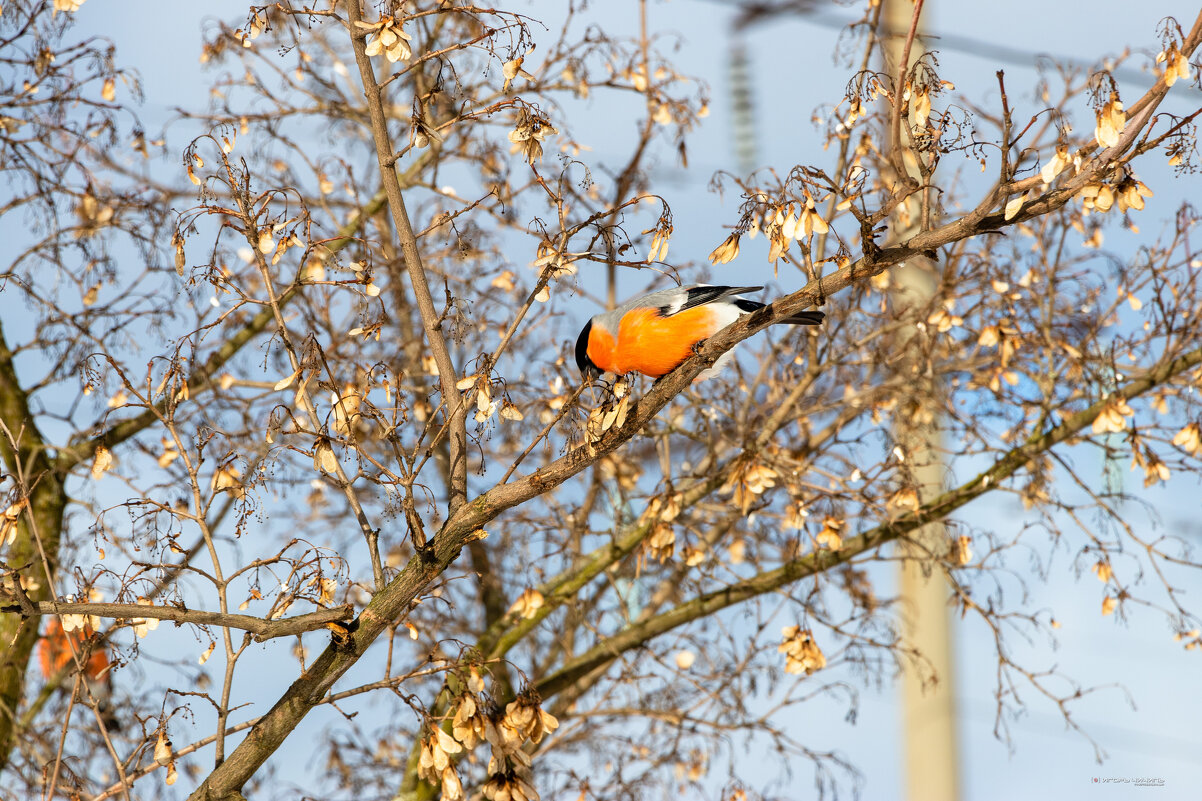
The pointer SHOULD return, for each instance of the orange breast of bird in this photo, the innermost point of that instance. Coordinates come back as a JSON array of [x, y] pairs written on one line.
[[654, 345], [55, 650]]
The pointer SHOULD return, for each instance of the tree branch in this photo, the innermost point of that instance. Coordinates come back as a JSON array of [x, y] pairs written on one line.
[[262, 629], [431, 320], [39, 527]]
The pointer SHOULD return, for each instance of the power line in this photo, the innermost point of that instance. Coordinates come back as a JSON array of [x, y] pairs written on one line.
[[750, 14]]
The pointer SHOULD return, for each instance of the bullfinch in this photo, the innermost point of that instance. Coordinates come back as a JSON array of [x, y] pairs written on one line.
[[655, 333], [58, 649]]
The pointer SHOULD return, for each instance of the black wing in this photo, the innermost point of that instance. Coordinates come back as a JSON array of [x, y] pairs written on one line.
[[700, 295]]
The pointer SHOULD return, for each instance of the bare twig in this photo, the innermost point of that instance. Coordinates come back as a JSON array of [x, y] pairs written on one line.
[[261, 629]]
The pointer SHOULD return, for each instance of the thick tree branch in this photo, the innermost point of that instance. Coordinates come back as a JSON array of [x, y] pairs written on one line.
[[25, 457]]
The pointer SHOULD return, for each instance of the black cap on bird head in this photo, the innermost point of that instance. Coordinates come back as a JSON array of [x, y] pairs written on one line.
[[590, 371]]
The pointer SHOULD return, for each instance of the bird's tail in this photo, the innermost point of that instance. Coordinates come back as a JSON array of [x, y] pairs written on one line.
[[801, 318], [805, 318]]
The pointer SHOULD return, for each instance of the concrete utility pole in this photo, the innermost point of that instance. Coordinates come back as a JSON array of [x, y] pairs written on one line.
[[929, 737]]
